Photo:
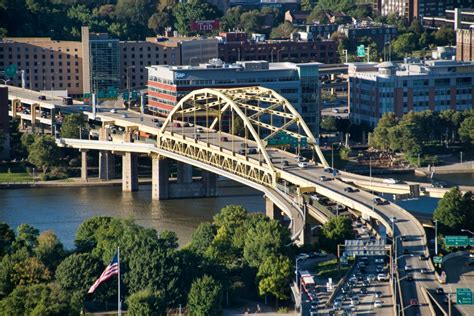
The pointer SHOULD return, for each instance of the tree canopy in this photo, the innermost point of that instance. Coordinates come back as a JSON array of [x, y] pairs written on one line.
[[454, 211], [205, 297], [335, 232]]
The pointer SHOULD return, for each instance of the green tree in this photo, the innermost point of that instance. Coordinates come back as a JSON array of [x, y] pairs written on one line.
[[445, 36], [39, 299], [306, 5], [44, 152], [328, 123], [454, 211], [202, 238], [466, 130], [231, 20], [335, 232], [205, 297], [380, 138], [274, 276], [85, 239], [30, 271], [284, 30], [251, 21], [193, 10], [7, 237], [266, 238], [238, 127], [27, 237], [73, 125], [77, 273], [49, 250], [405, 44], [27, 140], [146, 303]]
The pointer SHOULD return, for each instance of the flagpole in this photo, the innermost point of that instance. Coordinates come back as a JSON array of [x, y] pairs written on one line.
[[118, 261]]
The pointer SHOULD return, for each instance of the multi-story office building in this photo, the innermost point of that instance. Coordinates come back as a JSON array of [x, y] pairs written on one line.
[[322, 30], [298, 83], [375, 89], [417, 9], [465, 45], [48, 64], [381, 34], [97, 62], [231, 50]]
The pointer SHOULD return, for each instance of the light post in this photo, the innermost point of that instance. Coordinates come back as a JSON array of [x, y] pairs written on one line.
[[5, 81], [33, 175], [128, 83], [332, 156], [436, 236], [191, 58], [299, 258], [467, 231], [461, 156], [419, 163]]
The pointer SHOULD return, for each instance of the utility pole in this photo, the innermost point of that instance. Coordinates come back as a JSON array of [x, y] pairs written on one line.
[[436, 236]]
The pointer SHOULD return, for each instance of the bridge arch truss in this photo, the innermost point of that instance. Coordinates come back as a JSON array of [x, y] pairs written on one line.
[[234, 117]]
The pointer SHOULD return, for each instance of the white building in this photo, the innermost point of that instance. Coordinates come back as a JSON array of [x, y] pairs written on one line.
[[436, 85]]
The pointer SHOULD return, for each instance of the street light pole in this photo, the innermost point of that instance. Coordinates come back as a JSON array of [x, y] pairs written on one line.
[[436, 236], [128, 84], [461, 156]]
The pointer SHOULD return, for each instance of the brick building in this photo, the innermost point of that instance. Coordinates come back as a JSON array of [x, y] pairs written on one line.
[[236, 47]]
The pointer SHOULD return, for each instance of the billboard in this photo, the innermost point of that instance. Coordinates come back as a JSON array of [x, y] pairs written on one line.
[[211, 25]]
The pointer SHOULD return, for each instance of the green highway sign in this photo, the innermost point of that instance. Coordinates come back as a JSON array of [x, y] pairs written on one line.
[[361, 51], [10, 71], [437, 259], [464, 296], [283, 138], [112, 92], [457, 241], [471, 242]]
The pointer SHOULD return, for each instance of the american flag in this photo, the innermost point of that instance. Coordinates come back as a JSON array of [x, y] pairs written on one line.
[[111, 270]]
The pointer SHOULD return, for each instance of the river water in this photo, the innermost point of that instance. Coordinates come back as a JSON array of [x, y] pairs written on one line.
[[63, 209]]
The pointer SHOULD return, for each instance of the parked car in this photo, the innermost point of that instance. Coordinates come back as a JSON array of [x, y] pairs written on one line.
[[328, 170], [253, 151], [425, 271], [363, 290], [379, 201], [42, 97]]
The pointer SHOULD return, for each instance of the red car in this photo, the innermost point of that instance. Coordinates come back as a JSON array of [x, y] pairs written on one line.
[[413, 302]]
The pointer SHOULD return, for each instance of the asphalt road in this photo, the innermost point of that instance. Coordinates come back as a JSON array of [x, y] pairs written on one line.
[[459, 275]]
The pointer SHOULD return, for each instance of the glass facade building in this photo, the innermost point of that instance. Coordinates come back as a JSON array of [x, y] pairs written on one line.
[[104, 66]]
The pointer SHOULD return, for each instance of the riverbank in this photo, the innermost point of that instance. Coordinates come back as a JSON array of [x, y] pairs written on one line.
[[91, 182]]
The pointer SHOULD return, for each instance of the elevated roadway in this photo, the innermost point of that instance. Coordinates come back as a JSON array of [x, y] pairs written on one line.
[[200, 131]]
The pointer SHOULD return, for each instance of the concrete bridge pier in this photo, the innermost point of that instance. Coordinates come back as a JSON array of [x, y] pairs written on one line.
[[209, 181], [129, 172], [84, 175], [185, 173], [272, 211], [160, 178], [106, 165]]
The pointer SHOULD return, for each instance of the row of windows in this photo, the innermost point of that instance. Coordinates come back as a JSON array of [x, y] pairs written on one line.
[[59, 64], [52, 70], [35, 49], [10, 56], [161, 100], [140, 49]]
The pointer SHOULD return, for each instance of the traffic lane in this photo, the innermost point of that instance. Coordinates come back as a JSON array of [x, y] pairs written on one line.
[[404, 226], [459, 275]]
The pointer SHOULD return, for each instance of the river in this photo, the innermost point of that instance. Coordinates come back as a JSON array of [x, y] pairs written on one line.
[[63, 209]]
